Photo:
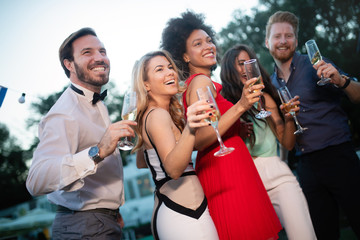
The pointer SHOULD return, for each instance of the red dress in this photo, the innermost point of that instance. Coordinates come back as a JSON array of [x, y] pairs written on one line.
[[238, 202]]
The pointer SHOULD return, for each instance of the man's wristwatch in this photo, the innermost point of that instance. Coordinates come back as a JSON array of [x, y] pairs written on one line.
[[95, 155], [347, 81]]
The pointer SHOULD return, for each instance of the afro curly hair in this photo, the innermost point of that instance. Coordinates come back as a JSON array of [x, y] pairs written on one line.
[[176, 33]]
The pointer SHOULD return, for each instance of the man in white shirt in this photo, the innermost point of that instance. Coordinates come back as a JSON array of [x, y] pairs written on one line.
[[77, 162]]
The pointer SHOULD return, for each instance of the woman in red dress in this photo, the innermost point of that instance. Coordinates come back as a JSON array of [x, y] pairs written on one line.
[[238, 201]]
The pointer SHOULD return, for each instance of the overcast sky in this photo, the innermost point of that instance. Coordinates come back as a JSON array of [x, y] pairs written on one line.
[[32, 31]]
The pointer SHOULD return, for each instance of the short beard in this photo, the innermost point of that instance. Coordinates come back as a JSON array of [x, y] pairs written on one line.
[[282, 58], [84, 77]]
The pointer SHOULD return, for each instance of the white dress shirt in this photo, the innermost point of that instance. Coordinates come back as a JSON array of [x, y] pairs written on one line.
[[61, 166]]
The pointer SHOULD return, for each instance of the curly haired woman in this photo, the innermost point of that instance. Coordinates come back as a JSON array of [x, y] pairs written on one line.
[[238, 202]]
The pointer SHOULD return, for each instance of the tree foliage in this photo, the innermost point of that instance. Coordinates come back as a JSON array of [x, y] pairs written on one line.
[[334, 24], [13, 170]]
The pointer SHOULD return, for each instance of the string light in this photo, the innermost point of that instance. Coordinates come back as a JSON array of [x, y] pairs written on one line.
[[22, 98], [3, 91]]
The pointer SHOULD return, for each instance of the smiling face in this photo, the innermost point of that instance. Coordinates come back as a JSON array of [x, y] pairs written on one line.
[[161, 77], [200, 52], [239, 65], [282, 41], [91, 66]]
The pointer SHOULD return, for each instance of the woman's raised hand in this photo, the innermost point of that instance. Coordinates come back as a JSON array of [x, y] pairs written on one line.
[[197, 113], [250, 93]]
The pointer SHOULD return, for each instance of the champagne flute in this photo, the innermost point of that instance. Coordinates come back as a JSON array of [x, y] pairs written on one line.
[[253, 71], [128, 112], [285, 97], [205, 93], [315, 57]]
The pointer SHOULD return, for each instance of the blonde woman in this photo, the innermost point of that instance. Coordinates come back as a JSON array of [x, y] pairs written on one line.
[[180, 210]]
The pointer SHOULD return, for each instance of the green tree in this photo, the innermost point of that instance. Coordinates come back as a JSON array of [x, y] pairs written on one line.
[[334, 24], [13, 170]]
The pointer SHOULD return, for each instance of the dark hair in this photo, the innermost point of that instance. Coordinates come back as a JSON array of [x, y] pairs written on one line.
[[176, 33], [232, 85], [66, 48]]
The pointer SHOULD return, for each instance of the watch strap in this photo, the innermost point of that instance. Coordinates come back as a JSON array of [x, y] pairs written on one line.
[[346, 83]]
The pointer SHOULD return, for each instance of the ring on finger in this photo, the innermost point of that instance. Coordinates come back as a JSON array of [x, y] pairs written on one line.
[[249, 90]]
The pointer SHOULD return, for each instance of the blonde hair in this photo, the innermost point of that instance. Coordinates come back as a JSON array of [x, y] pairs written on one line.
[[280, 17], [140, 76]]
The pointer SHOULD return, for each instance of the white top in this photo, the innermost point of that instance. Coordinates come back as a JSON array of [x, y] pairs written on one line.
[[61, 166]]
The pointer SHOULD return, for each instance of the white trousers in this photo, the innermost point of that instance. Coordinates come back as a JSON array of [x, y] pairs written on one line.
[[175, 226], [287, 197]]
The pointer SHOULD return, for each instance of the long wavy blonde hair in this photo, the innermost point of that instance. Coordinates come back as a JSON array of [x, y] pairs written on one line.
[[140, 76]]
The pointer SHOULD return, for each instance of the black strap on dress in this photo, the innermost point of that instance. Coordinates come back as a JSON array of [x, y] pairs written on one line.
[[163, 198], [167, 177]]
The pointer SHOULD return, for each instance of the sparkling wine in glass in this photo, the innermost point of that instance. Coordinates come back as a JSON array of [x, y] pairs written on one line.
[[315, 57], [205, 93], [285, 97], [128, 112], [253, 71]]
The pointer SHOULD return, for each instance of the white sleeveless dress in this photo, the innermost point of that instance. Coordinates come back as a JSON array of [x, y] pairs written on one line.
[[171, 219]]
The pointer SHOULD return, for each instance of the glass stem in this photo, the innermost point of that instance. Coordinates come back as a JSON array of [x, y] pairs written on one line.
[[261, 105], [295, 118], [219, 138]]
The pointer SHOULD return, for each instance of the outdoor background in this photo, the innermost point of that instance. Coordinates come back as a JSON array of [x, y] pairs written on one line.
[[32, 32]]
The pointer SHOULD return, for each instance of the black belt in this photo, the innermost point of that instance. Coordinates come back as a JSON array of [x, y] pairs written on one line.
[[107, 211]]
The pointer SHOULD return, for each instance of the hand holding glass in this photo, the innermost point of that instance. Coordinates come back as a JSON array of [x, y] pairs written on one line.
[[128, 112], [205, 93], [315, 57], [253, 71], [285, 97]]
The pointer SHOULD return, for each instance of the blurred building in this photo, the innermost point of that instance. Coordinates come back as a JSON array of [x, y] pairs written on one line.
[[33, 219]]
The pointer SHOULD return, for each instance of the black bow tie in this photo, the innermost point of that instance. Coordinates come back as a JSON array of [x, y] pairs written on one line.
[[96, 96]]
